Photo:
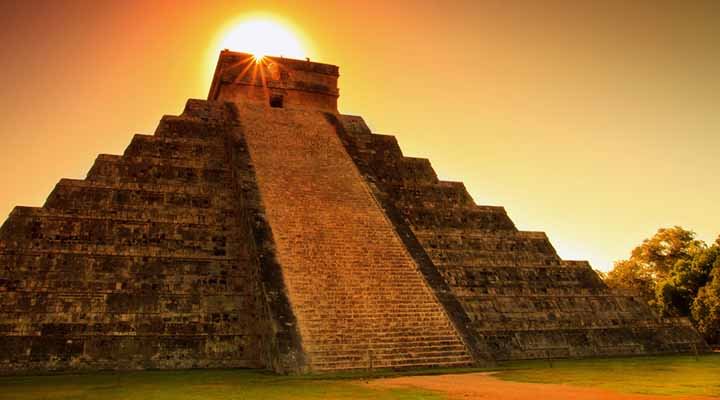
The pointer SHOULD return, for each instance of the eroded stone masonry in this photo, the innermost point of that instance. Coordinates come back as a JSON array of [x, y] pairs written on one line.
[[263, 229]]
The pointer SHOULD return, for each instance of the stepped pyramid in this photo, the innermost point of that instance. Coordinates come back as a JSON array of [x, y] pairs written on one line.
[[263, 229]]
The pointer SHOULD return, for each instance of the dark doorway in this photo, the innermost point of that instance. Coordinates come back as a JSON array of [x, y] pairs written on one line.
[[276, 101]]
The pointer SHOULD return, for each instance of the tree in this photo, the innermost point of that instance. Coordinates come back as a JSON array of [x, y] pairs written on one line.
[[667, 247], [651, 266], [678, 275], [677, 291], [706, 308], [632, 275]]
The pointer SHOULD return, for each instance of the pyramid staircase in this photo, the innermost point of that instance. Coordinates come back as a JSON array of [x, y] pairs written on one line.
[[358, 296]]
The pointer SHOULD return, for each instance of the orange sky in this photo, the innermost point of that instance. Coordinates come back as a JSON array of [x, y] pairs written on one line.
[[597, 121]]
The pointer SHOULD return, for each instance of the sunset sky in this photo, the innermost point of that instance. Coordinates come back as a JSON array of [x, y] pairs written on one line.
[[595, 121]]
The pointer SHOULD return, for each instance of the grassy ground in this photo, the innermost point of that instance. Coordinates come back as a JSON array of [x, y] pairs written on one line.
[[194, 385], [662, 375], [672, 375]]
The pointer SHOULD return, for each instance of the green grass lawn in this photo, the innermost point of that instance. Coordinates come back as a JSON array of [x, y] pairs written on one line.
[[654, 375], [194, 385], [662, 375]]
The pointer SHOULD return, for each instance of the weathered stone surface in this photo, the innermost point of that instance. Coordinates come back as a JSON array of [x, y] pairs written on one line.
[[263, 229], [152, 261], [358, 296], [521, 299]]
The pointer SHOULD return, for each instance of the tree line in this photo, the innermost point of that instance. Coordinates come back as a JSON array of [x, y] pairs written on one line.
[[678, 275]]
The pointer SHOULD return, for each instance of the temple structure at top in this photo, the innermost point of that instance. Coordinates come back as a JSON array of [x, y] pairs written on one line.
[[278, 82]]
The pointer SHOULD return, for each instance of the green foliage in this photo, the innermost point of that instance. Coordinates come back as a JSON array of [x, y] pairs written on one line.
[[666, 248], [632, 275], [674, 272], [675, 294], [651, 269], [706, 307]]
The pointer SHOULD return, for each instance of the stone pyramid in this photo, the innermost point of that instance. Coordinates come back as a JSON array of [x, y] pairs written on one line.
[[263, 229]]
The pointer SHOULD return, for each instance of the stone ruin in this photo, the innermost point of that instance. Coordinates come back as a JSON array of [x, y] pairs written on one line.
[[263, 229]]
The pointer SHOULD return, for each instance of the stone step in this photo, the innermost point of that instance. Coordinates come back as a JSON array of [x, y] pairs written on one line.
[[187, 127], [576, 264], [49, 232], [405, 171], [211, 111], [384, 349], [388, 319], [501, 275], [442, 194], [426, 336], [369, 313], [400, 363], [203, 250], [383, 314], [472, 257], [387, 356], [364, 326], [188, 216], [136, 308], [467, 287], [509, 241], [561, 316], [469, 234], [424, 341], [59, 283], [121, 263], [43, 222], [144, 170], [76, 227], [359, 278], [385, 293], [72, 194], [392, 306], [344, 290], [112, 160], [384, 147], [193, 150], [477, 218], [358, 330], [397, 296], [543, 294], [130, 186], [580, 324], [111, 250]]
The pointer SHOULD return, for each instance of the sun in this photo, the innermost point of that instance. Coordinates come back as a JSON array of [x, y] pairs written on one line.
[[262, 36]]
